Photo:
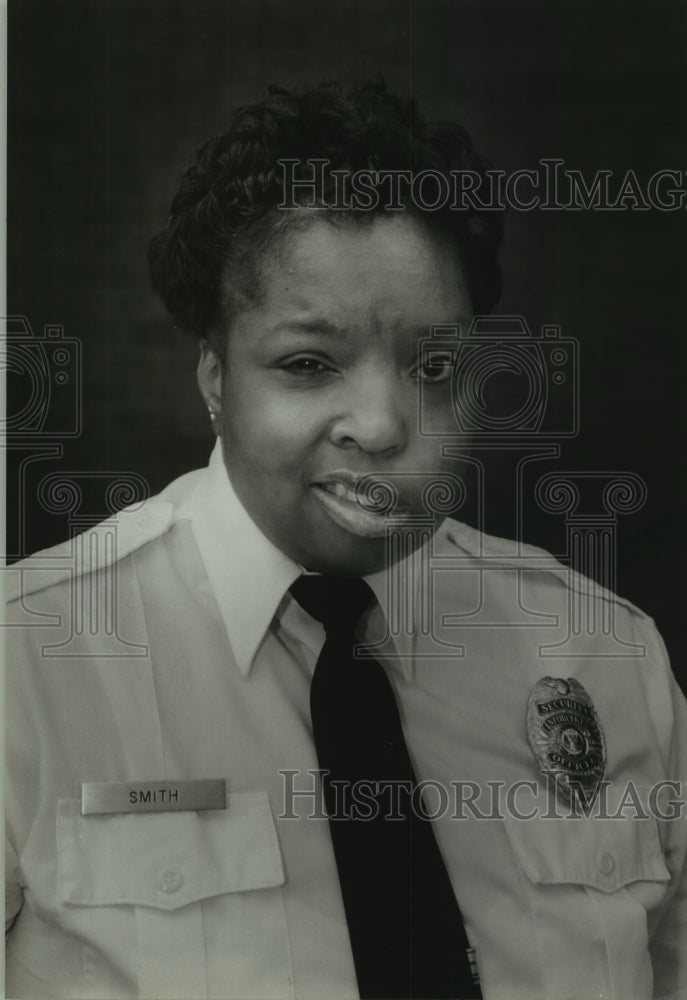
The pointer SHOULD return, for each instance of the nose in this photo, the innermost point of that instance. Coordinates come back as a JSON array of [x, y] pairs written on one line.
[[374, 415]]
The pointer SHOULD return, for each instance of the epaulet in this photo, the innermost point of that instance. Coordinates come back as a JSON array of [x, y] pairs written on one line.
[[132, 527], [509, 554]]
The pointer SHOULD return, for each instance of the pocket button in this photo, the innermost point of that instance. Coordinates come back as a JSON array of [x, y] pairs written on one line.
[[606, 863], [171, 880]]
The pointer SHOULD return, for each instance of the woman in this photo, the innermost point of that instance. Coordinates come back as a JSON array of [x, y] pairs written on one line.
[[200, 802]]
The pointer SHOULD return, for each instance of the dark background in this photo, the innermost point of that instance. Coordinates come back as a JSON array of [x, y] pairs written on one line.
[[108, 98]]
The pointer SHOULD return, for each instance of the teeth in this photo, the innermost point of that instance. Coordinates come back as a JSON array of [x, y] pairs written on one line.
[[339, 490]]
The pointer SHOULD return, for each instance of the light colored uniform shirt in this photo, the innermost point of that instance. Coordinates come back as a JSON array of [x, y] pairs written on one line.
[[164, 645]]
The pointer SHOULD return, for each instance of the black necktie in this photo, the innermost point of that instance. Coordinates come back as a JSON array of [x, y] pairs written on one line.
[[406, 930]]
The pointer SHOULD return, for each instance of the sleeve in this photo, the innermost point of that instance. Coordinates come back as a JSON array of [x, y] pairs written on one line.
[[21, 781], [669, 933]]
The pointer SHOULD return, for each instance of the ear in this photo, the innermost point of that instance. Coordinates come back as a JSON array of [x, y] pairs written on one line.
[[209, 375]]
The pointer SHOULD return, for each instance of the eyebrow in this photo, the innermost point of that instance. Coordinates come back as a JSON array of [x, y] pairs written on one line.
[[329, 328], [319, 325], [315, 325]]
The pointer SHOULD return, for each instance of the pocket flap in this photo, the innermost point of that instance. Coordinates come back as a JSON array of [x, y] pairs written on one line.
[[604, 854], [167, 859]]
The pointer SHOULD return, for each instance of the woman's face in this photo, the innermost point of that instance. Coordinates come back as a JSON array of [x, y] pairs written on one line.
[[321, 386]]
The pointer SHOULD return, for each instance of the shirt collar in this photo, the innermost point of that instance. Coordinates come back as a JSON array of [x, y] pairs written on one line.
[[250, 576]]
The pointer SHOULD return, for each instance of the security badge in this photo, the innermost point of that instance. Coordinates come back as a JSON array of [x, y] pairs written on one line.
[[566, 738]]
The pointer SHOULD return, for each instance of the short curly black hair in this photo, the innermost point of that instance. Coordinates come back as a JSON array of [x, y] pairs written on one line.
[[225, 212]]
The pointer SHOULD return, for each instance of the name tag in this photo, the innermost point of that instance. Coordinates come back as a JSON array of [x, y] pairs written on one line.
[[101, 797]]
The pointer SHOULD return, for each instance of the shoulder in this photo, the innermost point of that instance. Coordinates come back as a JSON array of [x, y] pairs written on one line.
[[536, 565], [107, 543], [540, 610]]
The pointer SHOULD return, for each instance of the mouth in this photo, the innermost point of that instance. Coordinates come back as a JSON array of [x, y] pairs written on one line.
[[359, 505]]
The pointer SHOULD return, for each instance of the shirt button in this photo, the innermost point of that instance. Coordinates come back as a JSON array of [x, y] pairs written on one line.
[[606, 864], [171, 880]]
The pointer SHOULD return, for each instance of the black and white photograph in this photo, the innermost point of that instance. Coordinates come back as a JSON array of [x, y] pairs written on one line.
[[344, 436]]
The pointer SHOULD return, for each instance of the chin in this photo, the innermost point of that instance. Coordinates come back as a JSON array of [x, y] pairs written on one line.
[[338, 561]]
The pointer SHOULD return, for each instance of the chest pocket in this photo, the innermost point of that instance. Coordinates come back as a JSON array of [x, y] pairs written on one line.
[[198, 892], [590, 883], [602, 854]]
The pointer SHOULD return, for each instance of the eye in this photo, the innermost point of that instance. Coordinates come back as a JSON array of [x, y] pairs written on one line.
[[436, 366], [305, 366]]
